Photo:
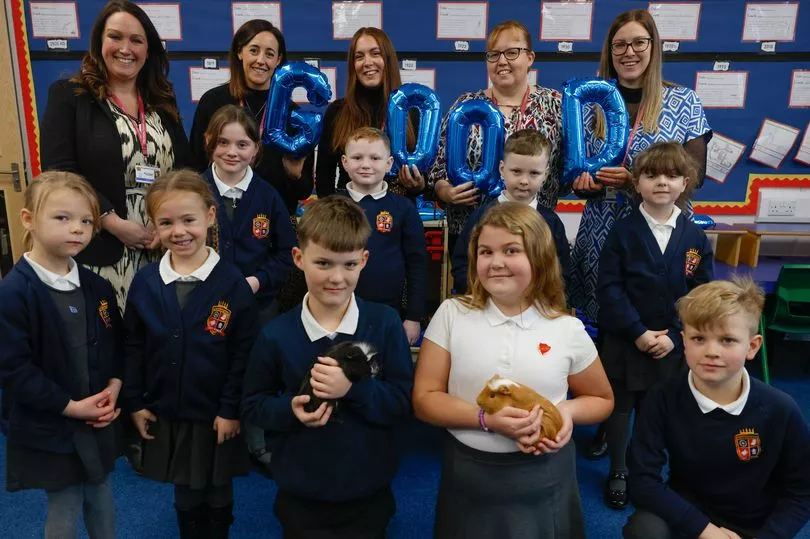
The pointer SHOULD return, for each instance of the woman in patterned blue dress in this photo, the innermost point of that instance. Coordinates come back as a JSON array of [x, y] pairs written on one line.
[[659, 111], [524, 106]]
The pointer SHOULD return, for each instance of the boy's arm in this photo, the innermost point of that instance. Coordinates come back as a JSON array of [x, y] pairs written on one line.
[[413, 243], [385, 401], [241, 338], [561, 243], [19, 376], [792, 509], [646, 460], [616, 313], [458, 260], [265, 404], [272, 273]]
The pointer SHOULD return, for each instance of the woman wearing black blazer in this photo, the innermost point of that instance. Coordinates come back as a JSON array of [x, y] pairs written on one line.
[[116, 123]]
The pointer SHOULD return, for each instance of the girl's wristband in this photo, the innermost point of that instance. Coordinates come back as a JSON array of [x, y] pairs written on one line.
[[481, 421]]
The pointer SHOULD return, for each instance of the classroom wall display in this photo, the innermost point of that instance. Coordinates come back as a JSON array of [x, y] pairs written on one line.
[[709, 42]]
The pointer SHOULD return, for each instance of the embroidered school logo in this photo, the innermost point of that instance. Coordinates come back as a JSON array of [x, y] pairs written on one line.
[[261, 226], [543, 348], [218, 319], [104, 313], [384, 222], [747, 444], [692, 261]]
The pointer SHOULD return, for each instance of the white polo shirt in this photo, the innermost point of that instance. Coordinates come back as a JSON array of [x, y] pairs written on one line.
[[661, 231], [484, 343]]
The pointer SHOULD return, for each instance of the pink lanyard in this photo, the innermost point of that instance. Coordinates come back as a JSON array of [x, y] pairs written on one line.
[[264, 117], [139, 126], [636, 125], [523, 105]]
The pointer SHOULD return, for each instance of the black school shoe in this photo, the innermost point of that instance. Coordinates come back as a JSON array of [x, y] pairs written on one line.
[[597, 447], [616, 490]]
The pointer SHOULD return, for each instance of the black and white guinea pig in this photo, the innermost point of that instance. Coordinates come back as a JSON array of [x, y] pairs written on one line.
[[357, 361]]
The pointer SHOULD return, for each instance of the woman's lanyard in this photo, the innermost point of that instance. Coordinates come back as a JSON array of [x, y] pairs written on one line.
[[243, 104], [636, 127], [140, 126], [523, 105]]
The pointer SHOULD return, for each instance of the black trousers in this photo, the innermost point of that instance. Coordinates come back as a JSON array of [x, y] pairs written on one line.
[[365, 518], [646, 525]]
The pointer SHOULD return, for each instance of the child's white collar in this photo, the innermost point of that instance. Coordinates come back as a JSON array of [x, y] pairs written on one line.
[[347, 326], [168, 275], [503, 198], [706, 404], [358, 196], [63, 283], [235, 190]]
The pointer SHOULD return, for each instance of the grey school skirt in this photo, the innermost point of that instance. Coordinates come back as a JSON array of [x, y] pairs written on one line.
[[507, 495]]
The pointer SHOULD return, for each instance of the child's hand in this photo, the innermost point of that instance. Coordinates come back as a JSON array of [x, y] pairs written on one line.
[[411, 181], [318, 418], [513, 422], [614, 176], [226, 429], [114, 388], [328, 379], [663, 346], [715, 532], [528, 443], [91, 408], [254, 283], [648, 339], [547, 445], [412, 330], [142, 419]]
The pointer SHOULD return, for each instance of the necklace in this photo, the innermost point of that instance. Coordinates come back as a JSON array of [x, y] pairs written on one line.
[[256, 115]]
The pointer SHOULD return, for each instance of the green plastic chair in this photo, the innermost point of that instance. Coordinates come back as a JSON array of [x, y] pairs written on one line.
[[790, 310]]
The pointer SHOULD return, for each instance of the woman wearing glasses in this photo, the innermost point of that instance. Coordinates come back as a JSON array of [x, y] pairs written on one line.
[[659, 111], [524, 106]]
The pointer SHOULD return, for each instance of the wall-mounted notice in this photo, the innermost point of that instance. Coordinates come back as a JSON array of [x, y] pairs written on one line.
[[201, 80], [563, 21], [426, 77], [54, 19], [722, 154], [721, 89], [461, 20], [773, 142], [348, 17], [677, 21], [803, 155], [243, 12], [800, 89], [770, 22], [166, 18]]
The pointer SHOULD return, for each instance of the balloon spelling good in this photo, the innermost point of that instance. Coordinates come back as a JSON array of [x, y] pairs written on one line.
[[703, 221], [305, 126], [491, 124], [602, 92], [425, 100]]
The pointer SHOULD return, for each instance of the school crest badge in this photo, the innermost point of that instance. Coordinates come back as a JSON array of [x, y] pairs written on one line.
[[104, 313], [261, 226], [747, 444], [385, 222], [692, 262], [218, 319]]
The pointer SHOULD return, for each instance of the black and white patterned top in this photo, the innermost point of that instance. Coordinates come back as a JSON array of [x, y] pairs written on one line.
[[543, 113]]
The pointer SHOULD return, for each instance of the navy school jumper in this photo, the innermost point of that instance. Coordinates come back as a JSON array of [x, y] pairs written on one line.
[[260, 238], [188, 365], [397, 254], [356, 453], [459, 261], [34, 358], [638, 285]]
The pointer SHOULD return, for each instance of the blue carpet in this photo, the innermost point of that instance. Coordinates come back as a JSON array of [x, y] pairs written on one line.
[[144, 508]]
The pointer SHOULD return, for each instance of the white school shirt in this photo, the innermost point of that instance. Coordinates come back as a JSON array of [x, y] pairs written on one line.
[[315, 331], [357, 196], [706, 404], [503, 198], [487, 342], [168, 275], [235, 191], [63, 283], [661, 231]]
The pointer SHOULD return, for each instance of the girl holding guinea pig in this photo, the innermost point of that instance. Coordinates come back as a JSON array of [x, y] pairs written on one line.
[[514, 323]]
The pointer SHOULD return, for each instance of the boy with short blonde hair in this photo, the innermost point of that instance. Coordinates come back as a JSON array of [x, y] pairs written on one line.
[[738, 449], [333, 476]]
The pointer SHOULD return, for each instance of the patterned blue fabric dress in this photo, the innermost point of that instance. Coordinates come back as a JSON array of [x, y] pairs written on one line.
[[681, 119]]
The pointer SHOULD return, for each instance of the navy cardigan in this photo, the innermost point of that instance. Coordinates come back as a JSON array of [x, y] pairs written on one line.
[[34, 358]]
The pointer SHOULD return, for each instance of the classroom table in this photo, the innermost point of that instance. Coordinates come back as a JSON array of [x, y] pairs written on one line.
[[765, 273], [729, 240], [749, 246]]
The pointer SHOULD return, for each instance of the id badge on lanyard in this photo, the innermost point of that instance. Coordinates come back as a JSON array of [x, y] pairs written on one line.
[[144, 174]]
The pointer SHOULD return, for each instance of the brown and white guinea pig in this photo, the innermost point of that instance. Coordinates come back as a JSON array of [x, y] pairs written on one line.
[[501, 392]]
